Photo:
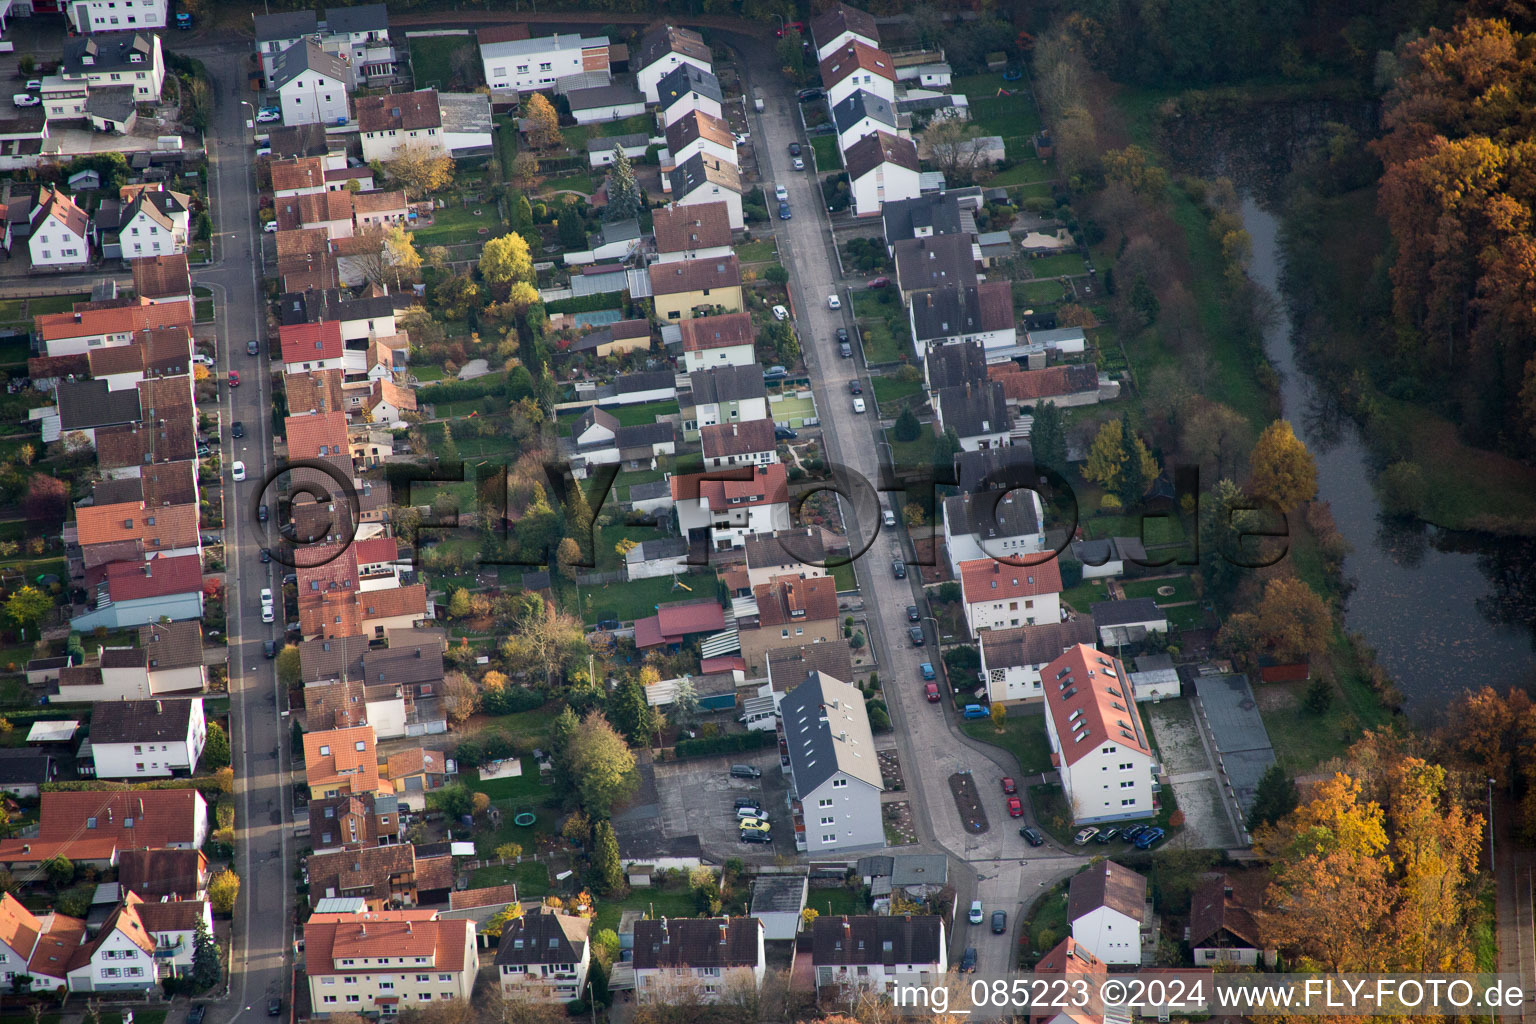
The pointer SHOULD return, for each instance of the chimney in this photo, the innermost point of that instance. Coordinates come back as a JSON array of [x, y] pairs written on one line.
[[722, 933], [847, 929], [159, 707], [665, 938], [362, 930]]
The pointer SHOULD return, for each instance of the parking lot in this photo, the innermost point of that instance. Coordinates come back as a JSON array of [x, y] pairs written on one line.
[[698, 797]]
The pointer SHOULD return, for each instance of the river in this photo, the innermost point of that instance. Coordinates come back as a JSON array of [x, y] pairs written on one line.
[[1445, 611]]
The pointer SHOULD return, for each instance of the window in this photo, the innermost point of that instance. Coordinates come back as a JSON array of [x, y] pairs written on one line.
[[328, 999], [445, 977], [423, 977], [830, 837], [828, 820], [354, 999], [1128, 803], [824, 802], [839, 783]]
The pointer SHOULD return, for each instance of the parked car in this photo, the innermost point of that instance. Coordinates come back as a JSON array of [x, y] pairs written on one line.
[[203, 451], [806, 95], [899, 569], [845, 350], [1131, 834], [270, 227], [266, 596], [784, 213], [968, 960], [842, 334], [855, 387], [745, 771], [784, 434], [267, 614], [915, 634], [926, 670], [833, 302], [266, 556], [887, 517], [237, 471], [743, 813], [780, 313], [196, 1014], [1106, 835], [756, 837], [252, 348], [25, 99], [261, 513], [975, 711], [931, 691], [799, 164], [200, 357], [1015, 807], [234, 378], [1032, 837], [1081, 839], [1009, 786], [237, 430], [274, 1007], [976, 912], [745, 801], [912, 615], [858, 405], [775, 373], [879, 282], [999, 922], [212, 540], [268, 116], [794, 149], [755, 825], [269, 648], [781, 193], [1150, 838]]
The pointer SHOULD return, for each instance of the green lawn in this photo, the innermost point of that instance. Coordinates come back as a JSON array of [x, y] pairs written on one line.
[[547, 824], [1034, 294], [525, 787], [1013, 117], [892, 393], [637, 599], [760, 251], [837, 902], [913, 454], [1047, 923], [883, 345], [526, 729], [1030, 171], [1086, 593], [828, 158], [531, 878], [608, 537], [580, 182], [637, 415], [455, 224], [1158, 529], [1065, 264], [54, 303], [1183, 590], [426, 372], [845, 577], [1303, 740], [1023, 736], [430, 60], [654, 902]]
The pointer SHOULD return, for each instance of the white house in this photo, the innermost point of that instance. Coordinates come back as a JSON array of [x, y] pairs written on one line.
[[173, 926], [769, 556], [468, 127], [663, 50], [533, 65], [881, 168], [700, 132], [604, 103], [993, 524], [1097, 737], [59, 227], [1002, 596], [726, 394], [358, 35], [594, 427], [697, 231], [711, 341], [104, 61], [862, 113], [698, 959], [147, 739], [155, 223], [956, 314], [708, 180], [307, 347], [724, 511], [856, 66], [543, 957], [87, 16], [1127, 621], [276, 33], [978, 414], [121, 958], [1107, 908], [311, 85], [728, 445], [389, 122], [685, 89], [1012, 659], [376, 961], [840, 25], [832, 766], [877, 953]]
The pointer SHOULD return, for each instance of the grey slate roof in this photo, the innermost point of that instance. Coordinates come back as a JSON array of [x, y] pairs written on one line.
[[938, 213], [288, 25], [113, 52], [304, 56], [1033, 645], [914, 939], [778, 894], [945, 312], [697, 942], [662, 547], [140, 721], [403, 666], [991, 514], [727, 384], [863, 104], [314, 306], [24, 766], [644, 435], [543, 937], [90, 403], [1125, 612], [615, 95], [951, 366], [605, 145], [685, 79], [1107, 885], [648, 380], [976, 410], [113, 103], [364, 18], [994, 468], [650, 491], [816, 714], [919, 869]]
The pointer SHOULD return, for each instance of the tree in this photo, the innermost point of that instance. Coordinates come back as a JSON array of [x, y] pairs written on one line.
[[545, 641], [506, 259], [289, 667], [953, 147], [1283, 470], [1048, 437], [573, 229], [461, 698], [1137, 470], [206, 968], [479, 803], [215, 748], [458, 604], [946, 447], [913, 514], [60, 871], [907, 428], [791, 54], [543, 123], [601, 764], [26, 607], [400, 252], [223, 891], [505, 916], [520, 296], [999, 716], [623, 190], [46, 502], [1275, 797], [1106, 456], [420, 169], [1319, 696], [632, 714], [525, 169], [685, 704], [509, 851], [1291, 623], [606, 866]]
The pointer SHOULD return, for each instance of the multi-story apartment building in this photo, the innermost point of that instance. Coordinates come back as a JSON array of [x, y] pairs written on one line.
[[380, 962]]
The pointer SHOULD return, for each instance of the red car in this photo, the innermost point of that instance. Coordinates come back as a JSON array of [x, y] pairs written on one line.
[[1015, 808], [234, 379], [879, 282], [932, 691], [1009, 786]]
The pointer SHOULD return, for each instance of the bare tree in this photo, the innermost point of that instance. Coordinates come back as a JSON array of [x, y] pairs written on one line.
[[953, 146]]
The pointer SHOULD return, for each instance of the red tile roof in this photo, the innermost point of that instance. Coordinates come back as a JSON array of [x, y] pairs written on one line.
[[725, 440], [786, 599], [696, 226], [311, 342], [695, 275], [766, 485], [1021, 385], [692, 617], [329, 937], [399, 111], [156, 277], [856, 56], [152, 818], [119, 320], [298, 173], [1091, 703], [707, 332], [377, 549], [159, 577], [317, 434], [987, 579]]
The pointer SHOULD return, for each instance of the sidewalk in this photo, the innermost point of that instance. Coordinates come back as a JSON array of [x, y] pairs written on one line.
[[1514, 904]]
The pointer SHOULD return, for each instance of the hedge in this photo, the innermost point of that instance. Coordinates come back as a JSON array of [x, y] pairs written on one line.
[[586, 303], [205, 784], [462, 390], [734, 743]]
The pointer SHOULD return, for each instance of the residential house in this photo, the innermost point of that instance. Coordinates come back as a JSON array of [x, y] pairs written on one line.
[[388, 402], [722, 394], [693, 288], [299, 176], [937, 261], [1070, 965], [380, 209], [133, 530], [604, 103], [859, 114], [953, 366], [313, 391], [23, 772], [617, 338], [835, 780], [881, 168], [154, 875], [749, 443], [1097, 738], [706, 179], [360, 35], [784, 554], [152, 355], [397, 608], [381, 875], [162, 279], [721, 511], [978, 414], [289, 142], [1065, 385], [698, 959], [331, 212], [840, 25], [350, 703], [674, 623], [1127, 621], [600, 150], [999, 595], [1012, 660], [112, 109], [791, 611], [555, 63], [121, 956], [362, 320], [657, 557], [855, 66], [173, 924], [87, 16], [84, 407], [139, 593], [957, 314], [277, 33], [104, 61], [876, 954], [158, 819], [468, 126], [999, 524], [685, 89], [341, 761], [712, 341], [378, 962], [416, 772], [1223, 922], [699, 132], [661, 52], [155, 220], [543, 957], [311, 85], [951, 212], [698, 231], [643, 387], [64, 334], [355, 820], [1107, 908], [147, 739], [1106, 558], [58, 233], [398, 119], [788, 667]]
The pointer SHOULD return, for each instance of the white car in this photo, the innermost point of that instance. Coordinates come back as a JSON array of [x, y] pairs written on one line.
[[266, 597], [742, 813], [270, 227], [799, 164], [833, 302], [237, 471], [268, 116], [203, 358], [975, 915], [858, 405], [22, 99], [780, 313], [267, 615], [781, 194]]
